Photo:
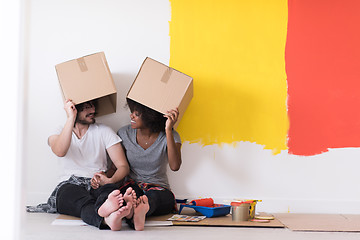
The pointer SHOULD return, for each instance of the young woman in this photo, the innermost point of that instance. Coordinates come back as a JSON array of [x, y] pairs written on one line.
[[151, 144]]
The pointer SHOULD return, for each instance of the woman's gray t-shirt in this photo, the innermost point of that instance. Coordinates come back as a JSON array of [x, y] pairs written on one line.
[[148, 165]]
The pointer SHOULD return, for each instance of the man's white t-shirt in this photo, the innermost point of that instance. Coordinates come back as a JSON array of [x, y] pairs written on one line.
[[87, 155]]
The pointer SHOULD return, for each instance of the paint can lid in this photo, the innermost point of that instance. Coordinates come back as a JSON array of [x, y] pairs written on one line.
[[240, 203]]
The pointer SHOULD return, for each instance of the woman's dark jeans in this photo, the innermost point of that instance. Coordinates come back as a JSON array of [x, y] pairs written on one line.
[[161, 202]]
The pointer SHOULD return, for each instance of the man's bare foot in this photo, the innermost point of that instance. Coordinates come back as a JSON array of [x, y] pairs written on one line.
[[114, 220], [130, 198], [142, 207], [112, 203]]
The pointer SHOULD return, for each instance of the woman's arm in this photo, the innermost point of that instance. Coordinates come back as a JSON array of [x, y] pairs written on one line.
[[174, 149], [174, 152]]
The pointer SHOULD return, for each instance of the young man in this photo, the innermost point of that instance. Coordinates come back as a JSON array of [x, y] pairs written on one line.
[[82, 147]]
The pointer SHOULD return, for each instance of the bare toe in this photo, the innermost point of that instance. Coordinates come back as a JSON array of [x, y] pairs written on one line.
[[112, 203]]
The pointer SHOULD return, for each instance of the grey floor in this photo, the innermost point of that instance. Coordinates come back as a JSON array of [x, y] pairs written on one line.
[[37, 226]]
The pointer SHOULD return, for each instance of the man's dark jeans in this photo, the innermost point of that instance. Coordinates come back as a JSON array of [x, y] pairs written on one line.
[[76, 201]]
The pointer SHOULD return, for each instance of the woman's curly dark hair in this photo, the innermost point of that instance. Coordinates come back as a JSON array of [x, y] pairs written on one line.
[[152, 119]]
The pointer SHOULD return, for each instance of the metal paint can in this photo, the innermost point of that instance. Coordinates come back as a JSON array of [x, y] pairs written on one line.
[[240, 211]]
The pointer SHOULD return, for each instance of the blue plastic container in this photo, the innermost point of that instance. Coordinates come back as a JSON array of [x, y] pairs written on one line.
[[217, 210]]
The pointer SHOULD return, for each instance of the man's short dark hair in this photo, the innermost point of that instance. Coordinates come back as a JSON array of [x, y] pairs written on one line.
[[152, 119], [81, 106]]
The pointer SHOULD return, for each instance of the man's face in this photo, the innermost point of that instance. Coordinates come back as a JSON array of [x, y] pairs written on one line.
[[87, 115]]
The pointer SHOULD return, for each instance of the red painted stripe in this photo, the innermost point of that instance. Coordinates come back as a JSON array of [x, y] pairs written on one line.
[[322, 65]]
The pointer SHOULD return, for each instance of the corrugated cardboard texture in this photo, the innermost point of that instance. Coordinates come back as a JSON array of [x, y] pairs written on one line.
[[224, 221], [161, 88], [221, 221], [320, 222], [88, 78]]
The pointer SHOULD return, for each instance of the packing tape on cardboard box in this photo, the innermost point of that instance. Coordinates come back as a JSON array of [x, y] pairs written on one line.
[[165, 78], [82, 64]]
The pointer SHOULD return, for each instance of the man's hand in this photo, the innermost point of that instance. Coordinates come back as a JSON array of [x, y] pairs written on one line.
[[70, 109], [99, 179]]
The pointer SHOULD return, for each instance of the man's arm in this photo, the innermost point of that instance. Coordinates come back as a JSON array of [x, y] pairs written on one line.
[[60, 143], [118, 158]]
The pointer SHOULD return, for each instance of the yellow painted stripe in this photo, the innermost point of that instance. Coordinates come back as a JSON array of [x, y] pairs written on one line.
[[235, 51]]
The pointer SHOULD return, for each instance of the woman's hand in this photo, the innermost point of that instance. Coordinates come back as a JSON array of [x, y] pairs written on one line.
[[172, 117]]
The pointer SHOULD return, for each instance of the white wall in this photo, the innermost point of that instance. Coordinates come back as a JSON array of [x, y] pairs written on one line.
[[128, 31], [10, 122]]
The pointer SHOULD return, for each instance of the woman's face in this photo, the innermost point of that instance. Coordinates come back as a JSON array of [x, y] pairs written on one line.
[[136, 121]]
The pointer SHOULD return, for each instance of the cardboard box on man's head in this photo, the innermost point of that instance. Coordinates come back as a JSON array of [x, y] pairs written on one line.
[[88, 78], [161, 88]]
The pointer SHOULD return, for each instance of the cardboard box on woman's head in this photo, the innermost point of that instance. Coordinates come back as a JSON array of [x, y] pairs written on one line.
[[88, 78], [161, 88]]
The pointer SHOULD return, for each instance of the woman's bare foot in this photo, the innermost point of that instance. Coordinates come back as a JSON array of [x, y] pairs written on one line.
[[130, 198], [114, 220], [129, 195], [142, 207], [112, 203]]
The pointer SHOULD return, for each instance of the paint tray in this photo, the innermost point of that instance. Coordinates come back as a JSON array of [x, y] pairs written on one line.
[[214, 211]]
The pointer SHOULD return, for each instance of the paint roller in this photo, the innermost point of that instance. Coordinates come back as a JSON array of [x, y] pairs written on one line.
[[204, 202]]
